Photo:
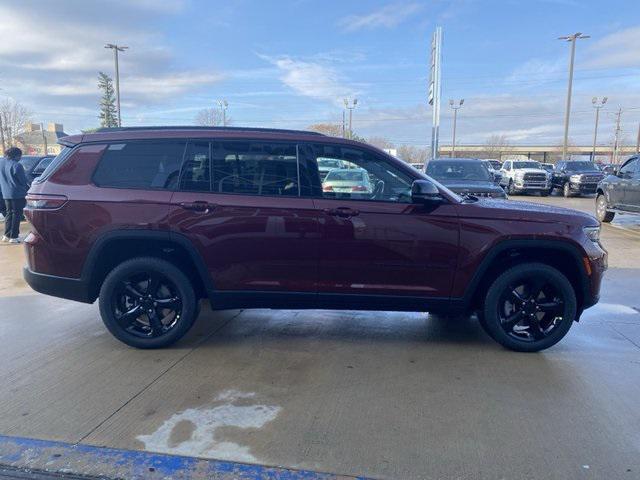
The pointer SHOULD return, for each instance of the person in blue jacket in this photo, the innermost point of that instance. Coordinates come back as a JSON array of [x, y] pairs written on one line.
[[14, 186]]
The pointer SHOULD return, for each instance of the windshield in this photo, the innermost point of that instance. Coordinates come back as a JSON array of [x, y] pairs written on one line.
[[580, 166], [526, 165], [461, 171]]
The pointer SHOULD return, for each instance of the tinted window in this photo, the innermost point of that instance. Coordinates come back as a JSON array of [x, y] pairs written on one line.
[[363, 176], [255, 168], [196, 169], [576, 166], [629, 168], [153, 165], [447, 171]]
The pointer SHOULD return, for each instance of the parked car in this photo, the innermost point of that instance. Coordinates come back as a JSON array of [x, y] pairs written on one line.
[[496, 175], [525, 176], [549, 167], [466, 176], [325, 165], [619, 193], [576, 177], [495, 164], [150, 220], [347, 181]]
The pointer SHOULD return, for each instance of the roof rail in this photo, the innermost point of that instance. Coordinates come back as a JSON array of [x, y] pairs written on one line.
[[198, 127]]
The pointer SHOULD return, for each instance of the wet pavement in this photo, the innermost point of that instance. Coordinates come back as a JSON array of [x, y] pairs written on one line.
[[386, 395]]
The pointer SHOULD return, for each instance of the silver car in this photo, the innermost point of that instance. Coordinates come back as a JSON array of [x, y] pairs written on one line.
[[354, 182]]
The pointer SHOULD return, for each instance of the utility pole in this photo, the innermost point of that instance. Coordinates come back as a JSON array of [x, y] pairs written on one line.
[[435, 90], [571, 39], [44, 138], [638, 140], [116, 49], [597, 105], [223, 106], [455, 106], [350, 105], [343, 125], [616, 137]]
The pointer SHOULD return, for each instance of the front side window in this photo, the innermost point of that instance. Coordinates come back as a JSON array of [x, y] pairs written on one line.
[[146, 165], [629, 168], [360, 175], [255, 168]]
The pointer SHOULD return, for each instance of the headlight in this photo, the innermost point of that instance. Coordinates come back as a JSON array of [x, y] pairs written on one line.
[[519, 174], [593, 233], [574, 178]]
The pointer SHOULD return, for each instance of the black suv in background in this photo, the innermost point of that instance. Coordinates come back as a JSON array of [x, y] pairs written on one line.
[[619, 192], [576, 177]]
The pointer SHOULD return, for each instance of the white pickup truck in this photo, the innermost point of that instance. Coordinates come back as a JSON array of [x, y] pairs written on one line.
[[525, 176]]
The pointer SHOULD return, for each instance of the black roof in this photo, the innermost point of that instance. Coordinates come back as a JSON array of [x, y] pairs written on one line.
[[198, 127]]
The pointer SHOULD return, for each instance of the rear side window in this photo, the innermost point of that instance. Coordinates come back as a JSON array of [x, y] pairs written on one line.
[[147, 165], [255, 168]]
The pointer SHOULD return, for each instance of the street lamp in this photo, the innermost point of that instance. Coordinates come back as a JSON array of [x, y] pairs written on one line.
[[116, 49], [455, 105], [571, 39], [350, 105], [597, 105], [223, 106]]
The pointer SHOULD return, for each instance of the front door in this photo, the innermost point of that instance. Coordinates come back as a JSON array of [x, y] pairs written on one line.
[[632, 192], [240, 203], [624, 192], [374, 240]]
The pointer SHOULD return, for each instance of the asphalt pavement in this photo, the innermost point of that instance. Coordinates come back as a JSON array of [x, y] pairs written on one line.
[[383, 395]]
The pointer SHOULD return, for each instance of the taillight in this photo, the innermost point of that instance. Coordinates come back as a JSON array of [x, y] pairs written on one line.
[[358, 188], [327, 188], [45, 202]]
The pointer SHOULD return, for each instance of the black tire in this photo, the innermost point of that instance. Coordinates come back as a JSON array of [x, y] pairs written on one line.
[[545, 193], [532, 332], [126, 296], [566, 190], [601, 209]]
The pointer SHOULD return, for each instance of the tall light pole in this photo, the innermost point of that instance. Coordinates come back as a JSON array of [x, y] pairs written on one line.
[[116, 49], [597, 105], [350, 105], [616, 138], [571, 39], [223, 106], [455, 105]]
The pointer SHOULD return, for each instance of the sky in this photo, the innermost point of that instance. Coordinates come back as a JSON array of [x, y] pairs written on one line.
[[290, 64]]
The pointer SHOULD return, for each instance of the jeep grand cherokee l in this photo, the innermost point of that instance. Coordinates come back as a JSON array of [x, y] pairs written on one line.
[[150, 220]]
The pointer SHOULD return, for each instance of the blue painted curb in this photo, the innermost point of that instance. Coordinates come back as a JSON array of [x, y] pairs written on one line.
[[80, 459]]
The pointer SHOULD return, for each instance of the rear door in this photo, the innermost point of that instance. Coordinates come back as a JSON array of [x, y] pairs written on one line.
[[241, 204], [377, 242]]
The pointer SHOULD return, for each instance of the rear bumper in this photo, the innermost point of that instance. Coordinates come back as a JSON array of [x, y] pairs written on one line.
[[63, 287]]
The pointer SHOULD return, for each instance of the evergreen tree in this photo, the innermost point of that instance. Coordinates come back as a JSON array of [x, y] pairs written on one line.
[[108, 114]]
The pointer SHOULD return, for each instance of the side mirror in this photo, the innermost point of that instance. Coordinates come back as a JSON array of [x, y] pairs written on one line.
[[423, 191]]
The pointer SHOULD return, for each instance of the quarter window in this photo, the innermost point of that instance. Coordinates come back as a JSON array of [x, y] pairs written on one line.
[[148, 165]]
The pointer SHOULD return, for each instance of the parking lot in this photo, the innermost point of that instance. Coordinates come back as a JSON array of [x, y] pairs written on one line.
[[383, 395]]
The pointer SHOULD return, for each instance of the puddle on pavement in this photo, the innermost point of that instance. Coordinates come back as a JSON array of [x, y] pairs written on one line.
[[195, 431]]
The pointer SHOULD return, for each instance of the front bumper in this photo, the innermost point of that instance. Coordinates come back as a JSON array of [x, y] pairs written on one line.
[[538, 186], [586, 188], [63, 287]]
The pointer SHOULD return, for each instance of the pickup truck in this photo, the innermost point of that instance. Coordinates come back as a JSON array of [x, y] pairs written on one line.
[[576, 177], [619, 193], [525, 176]]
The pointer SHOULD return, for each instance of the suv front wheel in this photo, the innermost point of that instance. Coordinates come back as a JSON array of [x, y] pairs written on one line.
[[529, 307], [601, 209], [147, 302]]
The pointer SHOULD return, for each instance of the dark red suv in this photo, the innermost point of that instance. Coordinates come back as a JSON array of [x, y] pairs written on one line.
[[150, 220]]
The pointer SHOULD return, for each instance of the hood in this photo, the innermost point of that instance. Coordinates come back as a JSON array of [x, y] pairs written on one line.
[[471, 186], [527, 211]]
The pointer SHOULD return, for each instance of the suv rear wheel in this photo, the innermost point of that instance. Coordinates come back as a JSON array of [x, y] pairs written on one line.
[[601, 209], [529, 307], [147, 302]]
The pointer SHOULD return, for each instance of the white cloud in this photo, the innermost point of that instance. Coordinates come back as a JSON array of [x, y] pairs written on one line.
[[388, 16], [311, 79], [620, 49]]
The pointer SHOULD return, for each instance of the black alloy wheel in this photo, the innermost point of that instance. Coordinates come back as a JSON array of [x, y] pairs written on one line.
[[148, 303], [529, 307]]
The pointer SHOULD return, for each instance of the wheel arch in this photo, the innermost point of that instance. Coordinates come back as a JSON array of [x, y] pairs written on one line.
[[558, 254], [117, 246]]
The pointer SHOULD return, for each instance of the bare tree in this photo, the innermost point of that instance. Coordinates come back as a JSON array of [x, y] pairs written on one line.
[[331, 129], [210, 117], [496, 146], [380, 142], [413, 154], [13, 118]]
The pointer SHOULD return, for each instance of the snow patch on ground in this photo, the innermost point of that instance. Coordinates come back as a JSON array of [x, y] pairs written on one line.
[[203, 439]]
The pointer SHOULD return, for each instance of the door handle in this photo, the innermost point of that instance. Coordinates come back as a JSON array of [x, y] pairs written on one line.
[[198, 206], [343, 212]]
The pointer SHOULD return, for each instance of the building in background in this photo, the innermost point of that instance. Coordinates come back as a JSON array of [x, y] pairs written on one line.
[[36, 141]]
